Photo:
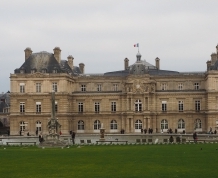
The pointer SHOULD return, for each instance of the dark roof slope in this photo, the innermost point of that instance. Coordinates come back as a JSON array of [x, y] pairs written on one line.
[[44, 60]]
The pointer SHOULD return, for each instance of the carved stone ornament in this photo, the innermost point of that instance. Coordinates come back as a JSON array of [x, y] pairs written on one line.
[[138, 86]]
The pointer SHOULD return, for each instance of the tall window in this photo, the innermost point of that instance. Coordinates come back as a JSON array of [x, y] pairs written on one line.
[[180, 104], [55, 87], [164, 106], [38, 107], [138, 124], [164, 124], [115, 87], [197, 86], [80, 107], [180, 86], [97, 107], [22, 107], [113, 107], [22, 125], [138, 105], [38, 87], [83, 87], [198, 124], [113, 125], [97, 125], [163, 86], [99, 87], [197, 105], [181, 124], [56, 106], [22, 88], [81, 125], [38, 126]]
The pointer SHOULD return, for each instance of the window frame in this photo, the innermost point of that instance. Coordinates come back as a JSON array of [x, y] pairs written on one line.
[[113, 106], [138, 105], [197, 105], [80, 125], [196, 86], [83, 88], [113, 125], [164, 124], [97, 125], [38, 87], [164, 106], [181, 124], [97, 107], [180, 106], [22, 107], [138, 124], [99, 87], [115, 87], [38, 107], [80, 107], [39, 125], [55, 86], [22, 87]]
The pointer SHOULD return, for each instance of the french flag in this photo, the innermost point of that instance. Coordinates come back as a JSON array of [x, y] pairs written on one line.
[[136, 45]]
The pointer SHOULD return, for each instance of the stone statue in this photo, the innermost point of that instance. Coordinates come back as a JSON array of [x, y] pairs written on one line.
[[53, 125], [53, 138]]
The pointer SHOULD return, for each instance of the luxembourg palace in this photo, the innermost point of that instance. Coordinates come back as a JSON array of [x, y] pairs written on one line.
[[139, 96]]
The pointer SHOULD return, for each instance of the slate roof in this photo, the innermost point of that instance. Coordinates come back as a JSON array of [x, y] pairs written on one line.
[[4, 101], [141, 67], [46, 61]]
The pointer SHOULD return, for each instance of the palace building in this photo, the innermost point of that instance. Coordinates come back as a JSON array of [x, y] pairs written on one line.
[[141, 96]]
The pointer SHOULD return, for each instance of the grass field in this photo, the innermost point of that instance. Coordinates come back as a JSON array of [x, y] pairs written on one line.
[[186, 160]]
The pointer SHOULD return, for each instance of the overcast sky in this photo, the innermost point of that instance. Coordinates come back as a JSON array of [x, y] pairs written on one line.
[[101, 33]]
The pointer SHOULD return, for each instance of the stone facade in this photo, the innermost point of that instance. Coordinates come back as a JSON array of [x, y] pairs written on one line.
[[4, 110], [140, 96]]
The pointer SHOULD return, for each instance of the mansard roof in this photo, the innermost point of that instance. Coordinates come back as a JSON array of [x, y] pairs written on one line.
[[46, 61], [4, 100], [141, 67]]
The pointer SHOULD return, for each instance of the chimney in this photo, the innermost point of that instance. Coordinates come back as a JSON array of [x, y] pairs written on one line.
[[208, 65], [213, 58], [57, 54], [126, 63], [28, 53], [157, 60], [70, 61], [81, 67]]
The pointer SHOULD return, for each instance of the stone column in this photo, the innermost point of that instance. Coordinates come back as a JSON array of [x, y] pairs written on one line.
[[127, 125], [132, 125]]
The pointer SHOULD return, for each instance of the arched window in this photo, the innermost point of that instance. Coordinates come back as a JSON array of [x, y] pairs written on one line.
[[81, 125], [164, 124], [38, 126], [138, 105], [181, 124], [22, 125], [138, 124], [97, 125], [198, 124], [113, 125]]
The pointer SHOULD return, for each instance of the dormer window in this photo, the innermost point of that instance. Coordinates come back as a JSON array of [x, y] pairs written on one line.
[[55, 71], [22, 71], [33, 71], [44, 70]]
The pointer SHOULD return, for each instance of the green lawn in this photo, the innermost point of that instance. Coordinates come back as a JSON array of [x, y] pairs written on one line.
[[187, 160]]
